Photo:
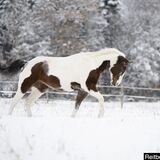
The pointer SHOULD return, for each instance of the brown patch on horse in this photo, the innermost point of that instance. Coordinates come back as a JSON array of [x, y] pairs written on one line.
[[94, 76], [39, 74], [36, 72], [40, 86], [119, 68], [51, 81]]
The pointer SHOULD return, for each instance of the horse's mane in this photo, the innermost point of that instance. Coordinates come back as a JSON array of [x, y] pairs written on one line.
[[102, 52]]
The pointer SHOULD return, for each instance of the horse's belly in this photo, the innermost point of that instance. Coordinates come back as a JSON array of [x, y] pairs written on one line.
[[66, 80], [66, 77], [66, 85]]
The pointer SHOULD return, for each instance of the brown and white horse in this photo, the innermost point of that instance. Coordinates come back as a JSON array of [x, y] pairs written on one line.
[[79, 72]]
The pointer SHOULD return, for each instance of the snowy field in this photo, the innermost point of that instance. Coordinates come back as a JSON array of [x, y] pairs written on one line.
[[51, 134]]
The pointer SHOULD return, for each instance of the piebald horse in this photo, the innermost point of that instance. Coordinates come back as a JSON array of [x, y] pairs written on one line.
[[79, 72]]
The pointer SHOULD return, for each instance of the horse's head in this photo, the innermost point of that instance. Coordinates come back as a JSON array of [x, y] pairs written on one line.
[[117, 70]]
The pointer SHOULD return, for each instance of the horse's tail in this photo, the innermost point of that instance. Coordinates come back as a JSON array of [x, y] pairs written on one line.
[[14, 67]]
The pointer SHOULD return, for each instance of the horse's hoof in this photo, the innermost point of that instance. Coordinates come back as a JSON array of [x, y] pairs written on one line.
[[29, 115], [9, 113], [100, 115], [73, 115]]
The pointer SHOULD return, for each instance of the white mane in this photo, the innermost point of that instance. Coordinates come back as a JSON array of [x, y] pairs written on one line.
[[102, 52]]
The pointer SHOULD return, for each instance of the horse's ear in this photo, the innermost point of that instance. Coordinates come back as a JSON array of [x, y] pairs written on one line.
[[125, 61]]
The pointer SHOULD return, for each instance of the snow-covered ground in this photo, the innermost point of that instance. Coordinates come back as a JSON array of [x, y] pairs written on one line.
[[51, 134]]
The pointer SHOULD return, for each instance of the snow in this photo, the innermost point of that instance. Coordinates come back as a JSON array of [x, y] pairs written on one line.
[[52, 134]]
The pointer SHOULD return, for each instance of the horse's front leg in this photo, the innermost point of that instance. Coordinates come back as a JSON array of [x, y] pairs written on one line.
[[80, 97], [100, 99]]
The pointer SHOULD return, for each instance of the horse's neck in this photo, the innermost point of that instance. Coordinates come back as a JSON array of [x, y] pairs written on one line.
[[100, 58]]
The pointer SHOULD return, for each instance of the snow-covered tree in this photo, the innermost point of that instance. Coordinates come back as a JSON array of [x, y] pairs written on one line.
[[63, 27]]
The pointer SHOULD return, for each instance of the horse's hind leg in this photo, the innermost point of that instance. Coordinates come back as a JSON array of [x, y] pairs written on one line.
[[80, 97], [37, 90], [23, 87], [34, 95], [15, 100]]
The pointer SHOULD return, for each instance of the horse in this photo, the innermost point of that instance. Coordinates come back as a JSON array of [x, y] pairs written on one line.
[[79, 72]]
